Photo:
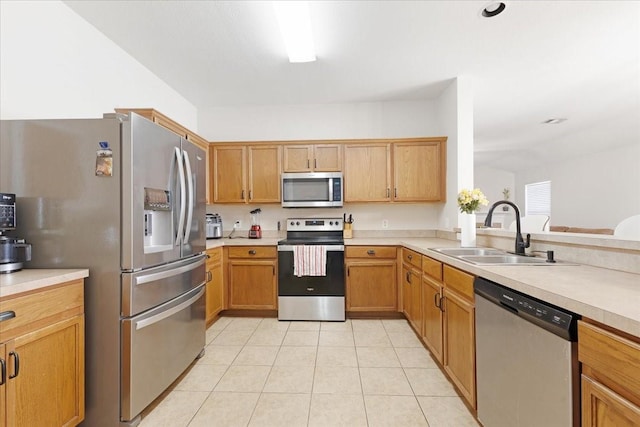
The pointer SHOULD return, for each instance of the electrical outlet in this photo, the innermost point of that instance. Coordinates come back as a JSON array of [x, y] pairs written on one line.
[[237, 224], [385, 223]]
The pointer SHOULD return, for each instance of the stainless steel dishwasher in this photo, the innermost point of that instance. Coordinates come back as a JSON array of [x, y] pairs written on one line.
[[526, 356]]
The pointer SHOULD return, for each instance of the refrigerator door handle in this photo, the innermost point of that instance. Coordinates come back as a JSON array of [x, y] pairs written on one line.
[[179, 232], [189, 180]]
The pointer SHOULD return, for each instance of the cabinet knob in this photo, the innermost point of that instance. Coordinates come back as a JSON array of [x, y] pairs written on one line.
[[410, 257], [252, 252]]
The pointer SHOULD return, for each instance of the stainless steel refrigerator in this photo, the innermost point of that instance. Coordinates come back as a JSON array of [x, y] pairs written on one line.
[[124, 198]]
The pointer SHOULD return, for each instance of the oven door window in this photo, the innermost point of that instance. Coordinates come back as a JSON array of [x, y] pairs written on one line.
[[330, 285]]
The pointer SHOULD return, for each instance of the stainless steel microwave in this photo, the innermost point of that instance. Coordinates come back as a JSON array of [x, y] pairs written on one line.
[[312, 190]]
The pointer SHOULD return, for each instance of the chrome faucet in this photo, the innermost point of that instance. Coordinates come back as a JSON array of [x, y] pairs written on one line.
[[521, 245]]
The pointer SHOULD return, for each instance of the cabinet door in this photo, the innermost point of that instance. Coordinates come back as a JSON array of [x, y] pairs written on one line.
[[298, 158], [371, 286], [49, 387], [460, 341], [367, 173], [4, 373], [432, 326], [411, 297], [602, 407], [229, 181], [264, 174], [214, 287], [418, 171], [327, 158], [204, 145], [252, 284]]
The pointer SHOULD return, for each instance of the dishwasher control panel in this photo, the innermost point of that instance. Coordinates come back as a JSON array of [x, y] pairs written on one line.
[[554, 319]]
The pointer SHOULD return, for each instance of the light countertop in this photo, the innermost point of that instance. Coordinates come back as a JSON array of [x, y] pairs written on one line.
[[29, 280], [608, 296]]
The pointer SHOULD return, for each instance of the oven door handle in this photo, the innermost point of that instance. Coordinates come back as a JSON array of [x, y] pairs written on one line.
[[168, 313], [330, 248]]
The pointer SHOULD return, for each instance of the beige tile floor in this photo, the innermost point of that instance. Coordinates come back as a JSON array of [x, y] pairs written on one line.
[[263, 372]]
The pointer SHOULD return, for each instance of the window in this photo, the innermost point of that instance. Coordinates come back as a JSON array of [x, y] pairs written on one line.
[[538, 198]]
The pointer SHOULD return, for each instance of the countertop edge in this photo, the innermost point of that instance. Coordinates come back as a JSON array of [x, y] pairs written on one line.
[[29, 280]]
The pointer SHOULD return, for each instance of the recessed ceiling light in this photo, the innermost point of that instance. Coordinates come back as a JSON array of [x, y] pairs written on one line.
[[553, 121], [493, 9]]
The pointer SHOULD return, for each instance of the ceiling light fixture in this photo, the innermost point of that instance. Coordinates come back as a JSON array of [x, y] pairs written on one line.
[[493, 9], [295, 26], [553, 121]]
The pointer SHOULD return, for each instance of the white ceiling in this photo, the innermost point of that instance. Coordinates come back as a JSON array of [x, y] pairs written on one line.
[[537, 60]]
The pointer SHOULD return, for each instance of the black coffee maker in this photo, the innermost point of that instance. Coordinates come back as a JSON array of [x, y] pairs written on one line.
[[13, 251]]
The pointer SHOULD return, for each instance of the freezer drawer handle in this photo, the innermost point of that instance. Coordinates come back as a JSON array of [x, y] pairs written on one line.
[[161, 316], [6, 315], [166, 274]]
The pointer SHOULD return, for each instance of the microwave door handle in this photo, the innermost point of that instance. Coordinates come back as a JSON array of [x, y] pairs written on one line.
[[182, 195], [331, 198], [189, 179]]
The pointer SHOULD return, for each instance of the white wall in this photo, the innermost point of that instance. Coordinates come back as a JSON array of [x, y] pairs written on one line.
[[333, 121], [492, 181], [53, 64], [603, 188], [455, 118]]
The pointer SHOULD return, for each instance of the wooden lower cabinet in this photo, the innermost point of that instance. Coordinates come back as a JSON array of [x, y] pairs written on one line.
[[412, 296], [610, 376], [460, 343], [252, 274], [433, 319], [215, 284], [602, 407], [460, 331], [371, 278], [42, 353]]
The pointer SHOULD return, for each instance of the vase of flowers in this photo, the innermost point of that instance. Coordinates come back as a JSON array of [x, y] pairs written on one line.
[[469, 201]]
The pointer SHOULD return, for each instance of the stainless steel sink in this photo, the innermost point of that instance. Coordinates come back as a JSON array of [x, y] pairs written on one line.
[[456, 252], [490, 256], [504, 259]]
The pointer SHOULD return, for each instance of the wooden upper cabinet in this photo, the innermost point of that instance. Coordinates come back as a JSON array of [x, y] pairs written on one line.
[[229, 182], [246, 173], [264, 173], [367, 172], [419, 171], [312, 158]]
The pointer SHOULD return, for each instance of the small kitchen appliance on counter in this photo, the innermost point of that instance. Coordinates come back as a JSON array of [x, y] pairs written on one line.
[[13, 250], [255, 232], [214, 226]]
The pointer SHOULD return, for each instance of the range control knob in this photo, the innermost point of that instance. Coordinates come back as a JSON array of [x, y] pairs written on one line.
[[292, 222], [297, 222], [330, 222]]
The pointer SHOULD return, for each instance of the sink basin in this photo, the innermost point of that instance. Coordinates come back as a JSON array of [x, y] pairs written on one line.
[[504, 259], [456, 252]]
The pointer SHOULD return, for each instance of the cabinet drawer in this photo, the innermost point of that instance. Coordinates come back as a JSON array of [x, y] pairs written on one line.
[[412, 258], [372, 252], [39, 309], [252, 252], [432, 268], [612, 357], [458, 280]]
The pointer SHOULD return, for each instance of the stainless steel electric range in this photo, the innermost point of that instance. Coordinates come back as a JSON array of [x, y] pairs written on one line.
[[312, 297]]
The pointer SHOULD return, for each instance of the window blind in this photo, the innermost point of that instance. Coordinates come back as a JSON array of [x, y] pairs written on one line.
[[538, 198]]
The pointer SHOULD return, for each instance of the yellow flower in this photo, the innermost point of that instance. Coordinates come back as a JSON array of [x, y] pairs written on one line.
[[470, 200]]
